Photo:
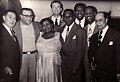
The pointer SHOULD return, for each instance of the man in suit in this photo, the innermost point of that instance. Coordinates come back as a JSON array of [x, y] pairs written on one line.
[[73, 48], [9, 49], [91, 29], [104, 47], [79, 10], [57, 8], [27, 32]]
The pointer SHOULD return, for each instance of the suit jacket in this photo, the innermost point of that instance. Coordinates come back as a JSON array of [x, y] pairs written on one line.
[[37, 28], [9, 53], [107, 55], [73, 49], [59, 27]]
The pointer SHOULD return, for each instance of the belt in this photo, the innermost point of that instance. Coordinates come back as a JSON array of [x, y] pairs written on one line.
[[30, 52]]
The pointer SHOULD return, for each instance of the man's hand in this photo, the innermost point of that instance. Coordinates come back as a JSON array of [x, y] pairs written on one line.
[[8, 71], [118, 77]]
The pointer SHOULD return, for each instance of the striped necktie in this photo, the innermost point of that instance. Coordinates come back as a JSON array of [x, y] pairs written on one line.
[[99, 37], [13, 34]]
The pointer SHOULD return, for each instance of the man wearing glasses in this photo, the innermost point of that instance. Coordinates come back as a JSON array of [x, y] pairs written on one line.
[[27, 32]]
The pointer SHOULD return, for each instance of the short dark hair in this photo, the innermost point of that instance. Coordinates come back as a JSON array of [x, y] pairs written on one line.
[[27, 9], [70, 10], [6, 12], [83, 5], [46, 19], [57, 1], [93, 8]]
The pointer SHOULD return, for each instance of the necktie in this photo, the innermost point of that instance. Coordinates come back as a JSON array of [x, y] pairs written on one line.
[[99, 37], [67, 31], [13, 34], [56, 23], [80, 23], [89, 34]]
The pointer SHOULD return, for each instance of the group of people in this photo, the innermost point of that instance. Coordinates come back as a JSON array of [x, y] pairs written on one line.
[[76, 46]]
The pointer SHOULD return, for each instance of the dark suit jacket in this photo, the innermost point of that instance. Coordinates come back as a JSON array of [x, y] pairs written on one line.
[[59, 27], [9, 54], [107, 55], [73, 49]]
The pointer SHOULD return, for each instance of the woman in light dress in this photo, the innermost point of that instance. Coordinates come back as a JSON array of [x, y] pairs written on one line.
[[49, 60]]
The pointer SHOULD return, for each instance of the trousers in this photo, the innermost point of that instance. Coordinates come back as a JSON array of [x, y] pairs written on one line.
[[28, 68]]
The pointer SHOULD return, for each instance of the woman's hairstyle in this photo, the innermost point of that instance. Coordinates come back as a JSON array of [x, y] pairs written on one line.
[[46, 19]]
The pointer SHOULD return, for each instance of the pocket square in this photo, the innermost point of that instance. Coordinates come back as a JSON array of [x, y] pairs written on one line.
[[111, 43], [74, 37]]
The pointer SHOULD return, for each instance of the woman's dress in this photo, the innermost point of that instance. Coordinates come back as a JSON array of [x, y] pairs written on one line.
[[48, 63]]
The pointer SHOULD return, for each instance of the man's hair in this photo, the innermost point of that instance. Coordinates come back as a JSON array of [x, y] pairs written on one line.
[[57, 1], [27, 9], [69, 10], [93, 8], [6, 12], [105, 14], [81, 5]]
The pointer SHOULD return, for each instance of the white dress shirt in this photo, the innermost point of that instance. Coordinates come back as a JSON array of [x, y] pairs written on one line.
[[82, 22], [104, 32], [65, 31], [58, 19], [90, 29]]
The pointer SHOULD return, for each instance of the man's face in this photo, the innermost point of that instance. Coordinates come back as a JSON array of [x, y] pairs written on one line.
[[79, 12], [100, 20], [68, 17], [90, 15], [26, 17], [10, 19], [56, 9]]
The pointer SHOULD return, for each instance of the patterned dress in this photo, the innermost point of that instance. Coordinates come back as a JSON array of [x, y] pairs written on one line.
[[48, 63]]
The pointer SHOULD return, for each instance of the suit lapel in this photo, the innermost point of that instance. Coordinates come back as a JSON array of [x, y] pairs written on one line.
[[18, 33], [95, 30], [71, 34]]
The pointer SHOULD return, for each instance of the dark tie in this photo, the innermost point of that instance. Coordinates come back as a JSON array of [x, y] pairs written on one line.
[[80, 23], [99, 37], [56, 23], [67, 31], [13, 34]]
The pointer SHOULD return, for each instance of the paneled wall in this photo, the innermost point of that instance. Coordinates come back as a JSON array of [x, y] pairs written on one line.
[[42, 8]]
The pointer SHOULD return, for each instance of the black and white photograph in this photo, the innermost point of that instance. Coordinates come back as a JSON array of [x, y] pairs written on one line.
[[59, 41]]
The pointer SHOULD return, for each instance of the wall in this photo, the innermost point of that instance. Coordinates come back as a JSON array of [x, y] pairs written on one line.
[[42, 8]]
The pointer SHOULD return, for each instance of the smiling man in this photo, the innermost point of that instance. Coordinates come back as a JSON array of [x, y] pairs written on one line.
[[9, 49], [27, 32], [105, 50]]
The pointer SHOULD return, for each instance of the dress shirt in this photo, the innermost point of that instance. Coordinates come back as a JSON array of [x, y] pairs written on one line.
[[90, 29], [103, 32], [7, 28], [82, 22], [58, 19], [28, 37], [65, 31]]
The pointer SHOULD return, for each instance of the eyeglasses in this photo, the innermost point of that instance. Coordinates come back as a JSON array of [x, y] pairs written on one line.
[[28, 16]]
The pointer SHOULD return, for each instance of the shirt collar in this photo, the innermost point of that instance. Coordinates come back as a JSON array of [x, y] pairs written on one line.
[[70, 27], [58, 19], [82, 22], [105, 30]]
